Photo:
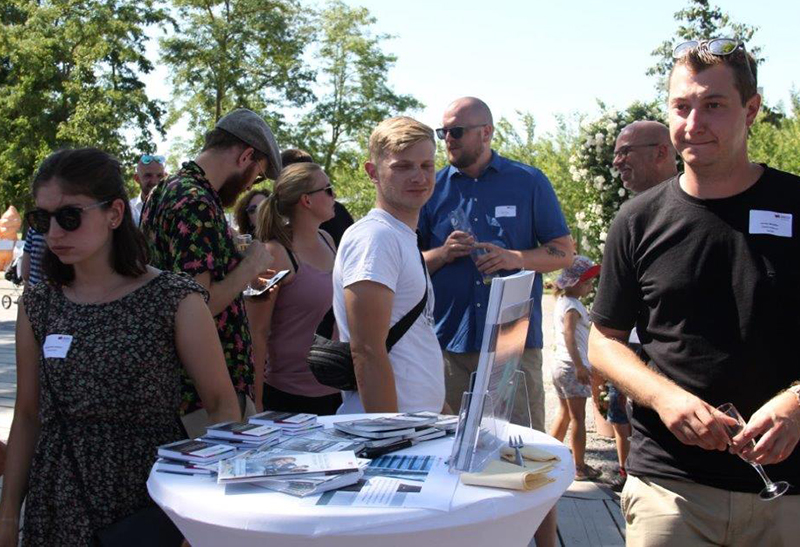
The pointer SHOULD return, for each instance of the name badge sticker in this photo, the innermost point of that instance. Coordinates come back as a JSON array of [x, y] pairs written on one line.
[[56, 346], [505, 211], [770, 223]]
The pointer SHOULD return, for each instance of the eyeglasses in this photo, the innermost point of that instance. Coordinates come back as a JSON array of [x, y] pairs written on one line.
[[623, 151], [148, 159], [720, 47], [250, 209], [68, 217], [328, 190], [455, 132]]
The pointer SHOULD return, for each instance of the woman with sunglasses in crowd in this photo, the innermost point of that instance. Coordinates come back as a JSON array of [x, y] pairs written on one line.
[[245, 211], [283, 325], [99, 346]]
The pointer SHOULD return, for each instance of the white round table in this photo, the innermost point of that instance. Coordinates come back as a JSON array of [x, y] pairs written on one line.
[[207, 516]]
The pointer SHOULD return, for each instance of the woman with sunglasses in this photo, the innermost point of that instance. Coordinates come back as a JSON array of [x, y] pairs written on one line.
[[245, 211], [99, 346], [283, 326]]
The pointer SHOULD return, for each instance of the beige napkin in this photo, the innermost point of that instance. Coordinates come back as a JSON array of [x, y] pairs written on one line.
[[529, 453], [501, 474]]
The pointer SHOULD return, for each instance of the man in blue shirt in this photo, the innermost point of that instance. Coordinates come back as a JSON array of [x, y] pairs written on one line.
[[515, 216], [516, 219]]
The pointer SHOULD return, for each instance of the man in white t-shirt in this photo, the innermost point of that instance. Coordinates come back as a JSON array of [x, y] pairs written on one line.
[[379, 277]]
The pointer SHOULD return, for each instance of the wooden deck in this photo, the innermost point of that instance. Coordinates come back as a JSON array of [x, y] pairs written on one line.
[[588, 514]]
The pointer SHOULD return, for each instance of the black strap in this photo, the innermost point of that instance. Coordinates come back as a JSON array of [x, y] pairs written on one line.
[[401, 327], [292, 259], [325, 240]]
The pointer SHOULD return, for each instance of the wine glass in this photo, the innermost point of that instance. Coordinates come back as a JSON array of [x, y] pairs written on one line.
[[772, 490], [243, 241]]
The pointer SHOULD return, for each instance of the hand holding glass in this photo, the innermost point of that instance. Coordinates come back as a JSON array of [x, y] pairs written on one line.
[[772, 490], [243, 241]]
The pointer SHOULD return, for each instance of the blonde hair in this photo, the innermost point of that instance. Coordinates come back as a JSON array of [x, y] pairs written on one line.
[[274, 214], [397, 134]]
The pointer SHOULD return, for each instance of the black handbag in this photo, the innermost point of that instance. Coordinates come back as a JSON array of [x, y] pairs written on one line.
[[331, 362], [148, 526]]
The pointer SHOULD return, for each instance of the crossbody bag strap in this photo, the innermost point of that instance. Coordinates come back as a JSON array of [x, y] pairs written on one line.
[[401, 327]]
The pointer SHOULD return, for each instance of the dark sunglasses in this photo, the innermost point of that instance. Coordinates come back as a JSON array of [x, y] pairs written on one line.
[[328, 190], [69, 217], [720, 47], [148, 159], [250, 209], [455, 132]]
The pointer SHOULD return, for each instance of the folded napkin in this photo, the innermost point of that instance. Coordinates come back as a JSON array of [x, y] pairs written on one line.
[[501, 474], [529, 453]]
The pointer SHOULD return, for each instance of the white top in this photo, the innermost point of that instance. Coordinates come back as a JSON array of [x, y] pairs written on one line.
[[382, 249], [563, 305], [136, 209]]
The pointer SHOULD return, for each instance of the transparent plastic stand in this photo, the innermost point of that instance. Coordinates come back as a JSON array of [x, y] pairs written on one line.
[[478, 439]]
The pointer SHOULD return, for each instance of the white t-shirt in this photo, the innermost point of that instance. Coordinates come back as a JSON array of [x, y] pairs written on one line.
[[563, 305], [137, 204], [384, 250]]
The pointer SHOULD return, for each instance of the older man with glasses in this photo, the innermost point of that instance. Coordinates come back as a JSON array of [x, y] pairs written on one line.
[[644, 155], [510, 220]]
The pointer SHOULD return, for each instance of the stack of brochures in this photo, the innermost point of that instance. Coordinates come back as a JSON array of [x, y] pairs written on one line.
[[403, 427], [242, 435], [192, 457], [290, 423]]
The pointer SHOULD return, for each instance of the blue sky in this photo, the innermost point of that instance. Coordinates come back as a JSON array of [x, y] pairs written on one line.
[[549, 57]]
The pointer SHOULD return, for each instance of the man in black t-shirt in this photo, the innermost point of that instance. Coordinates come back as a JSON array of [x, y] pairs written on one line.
[[706, 266]]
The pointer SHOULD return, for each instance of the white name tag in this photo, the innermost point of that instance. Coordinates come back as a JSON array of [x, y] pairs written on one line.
[[56, 346], [770, 223], [505, 211]]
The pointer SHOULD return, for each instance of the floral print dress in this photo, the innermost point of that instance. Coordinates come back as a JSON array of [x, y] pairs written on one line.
[[118, 390]]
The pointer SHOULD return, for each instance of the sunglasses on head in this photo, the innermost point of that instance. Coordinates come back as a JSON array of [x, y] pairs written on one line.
[[328, 190], [148, 159], [455, 132], [68, 217], [720, 47]]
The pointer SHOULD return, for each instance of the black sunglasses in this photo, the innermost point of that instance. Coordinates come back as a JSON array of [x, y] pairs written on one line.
[[328, 190], [455, 132], [68, 217], [251, 209], [720, 47]]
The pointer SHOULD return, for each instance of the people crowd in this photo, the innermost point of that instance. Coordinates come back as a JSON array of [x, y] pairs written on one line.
[[134, 329]]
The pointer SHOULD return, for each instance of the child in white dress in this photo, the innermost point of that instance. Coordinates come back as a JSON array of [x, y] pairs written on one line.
[[572, 371]]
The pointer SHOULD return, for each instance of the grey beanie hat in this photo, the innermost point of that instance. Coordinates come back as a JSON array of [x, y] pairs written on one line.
[[254, 131]]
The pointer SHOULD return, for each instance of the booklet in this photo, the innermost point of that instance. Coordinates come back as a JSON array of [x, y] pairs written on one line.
[[318, 446], [391, 423], [183, 468], [310, 485], [195, 451], [260, 464], [285, 420], [240, 430]]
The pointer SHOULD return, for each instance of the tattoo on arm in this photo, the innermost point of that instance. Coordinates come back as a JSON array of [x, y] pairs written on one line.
[[553, 251]]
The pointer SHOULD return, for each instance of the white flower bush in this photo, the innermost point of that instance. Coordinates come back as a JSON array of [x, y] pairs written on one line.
[[591, 167]]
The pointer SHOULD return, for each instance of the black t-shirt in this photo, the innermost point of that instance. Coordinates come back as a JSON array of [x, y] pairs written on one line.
[[716, 309], [340, 222]]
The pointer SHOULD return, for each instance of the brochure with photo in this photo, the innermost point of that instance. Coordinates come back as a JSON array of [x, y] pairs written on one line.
[[264, 464], [195, 451]]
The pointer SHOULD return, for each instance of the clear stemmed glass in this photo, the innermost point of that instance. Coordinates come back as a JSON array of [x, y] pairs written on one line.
[[772, 490], [243, 241]]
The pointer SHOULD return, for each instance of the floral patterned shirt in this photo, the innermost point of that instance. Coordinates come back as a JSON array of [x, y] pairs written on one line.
[[185, 226]]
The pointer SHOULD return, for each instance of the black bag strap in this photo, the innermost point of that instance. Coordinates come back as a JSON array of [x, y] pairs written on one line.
[[399, 329]]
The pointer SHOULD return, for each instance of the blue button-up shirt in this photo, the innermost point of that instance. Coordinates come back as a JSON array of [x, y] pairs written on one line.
[[510, 204]]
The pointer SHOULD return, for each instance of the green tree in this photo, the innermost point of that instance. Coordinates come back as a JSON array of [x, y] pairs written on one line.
[[69, 76], [225, 54], [698, 21], [355, 91], [777, 142]]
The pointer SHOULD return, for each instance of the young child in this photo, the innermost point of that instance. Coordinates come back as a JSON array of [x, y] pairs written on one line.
[[572, 371]]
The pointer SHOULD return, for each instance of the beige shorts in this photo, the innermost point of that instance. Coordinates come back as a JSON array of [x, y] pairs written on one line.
[[672, 513]]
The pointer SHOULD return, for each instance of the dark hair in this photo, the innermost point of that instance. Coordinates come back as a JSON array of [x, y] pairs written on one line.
[[94, 173], [295, 155], [240, 210], [219, 139], [743, 65]]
